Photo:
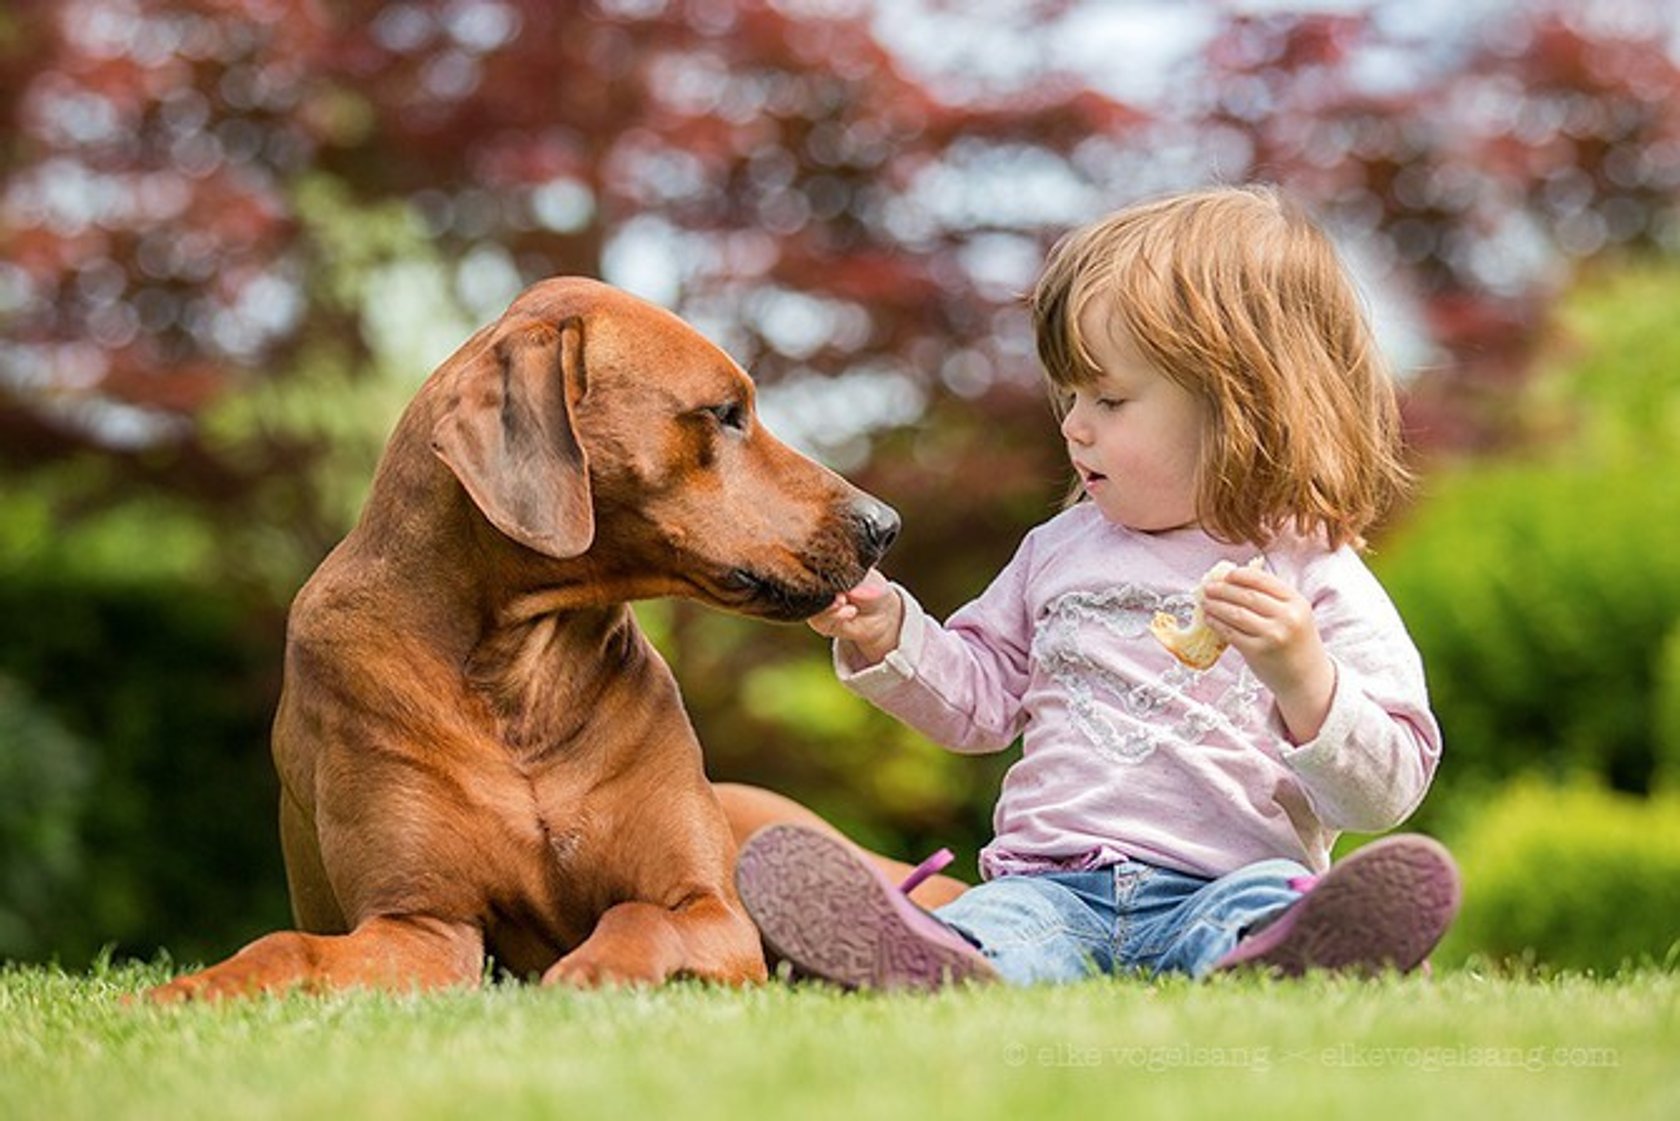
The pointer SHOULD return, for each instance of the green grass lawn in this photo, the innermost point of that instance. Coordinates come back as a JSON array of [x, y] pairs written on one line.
[[1461, 1046]]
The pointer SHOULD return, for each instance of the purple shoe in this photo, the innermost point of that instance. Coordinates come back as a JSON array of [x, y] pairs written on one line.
[[820, 904], [1384, 907]]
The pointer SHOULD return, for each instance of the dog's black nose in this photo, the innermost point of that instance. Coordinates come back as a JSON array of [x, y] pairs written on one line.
[[879, 525]]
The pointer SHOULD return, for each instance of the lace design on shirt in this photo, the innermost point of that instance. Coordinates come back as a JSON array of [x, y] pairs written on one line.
[[1091, 685]]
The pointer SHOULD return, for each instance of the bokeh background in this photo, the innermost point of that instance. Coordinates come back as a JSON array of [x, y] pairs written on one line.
[[235, 236]]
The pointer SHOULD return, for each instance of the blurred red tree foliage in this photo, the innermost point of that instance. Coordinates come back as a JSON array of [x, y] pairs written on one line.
[[154, 259], [1479, 167], [153, 256]]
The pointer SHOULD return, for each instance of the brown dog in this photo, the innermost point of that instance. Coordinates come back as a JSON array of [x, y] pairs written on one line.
[[478, 750]]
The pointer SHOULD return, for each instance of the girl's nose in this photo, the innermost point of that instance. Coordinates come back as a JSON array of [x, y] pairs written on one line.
[[1074, 428]]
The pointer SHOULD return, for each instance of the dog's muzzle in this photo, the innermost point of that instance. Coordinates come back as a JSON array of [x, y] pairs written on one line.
[[869, 529], [772, 599]]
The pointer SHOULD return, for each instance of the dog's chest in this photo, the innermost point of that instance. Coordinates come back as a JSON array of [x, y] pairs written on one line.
[[549, 896]]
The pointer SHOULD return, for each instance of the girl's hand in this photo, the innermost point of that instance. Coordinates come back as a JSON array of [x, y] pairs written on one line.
[[869, 617], [1271, 625]]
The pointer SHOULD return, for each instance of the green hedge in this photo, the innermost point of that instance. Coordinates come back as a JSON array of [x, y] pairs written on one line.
[[1544, 601], [135, 731], [1667, 714], [45, 775], [1570, 878], [1543, 588]]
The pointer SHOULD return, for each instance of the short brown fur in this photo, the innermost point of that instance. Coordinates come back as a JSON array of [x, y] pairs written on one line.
[[479, 752]]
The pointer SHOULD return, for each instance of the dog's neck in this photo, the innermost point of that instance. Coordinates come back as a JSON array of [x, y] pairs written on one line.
[[545, 643], [546, 678], [540, 638]]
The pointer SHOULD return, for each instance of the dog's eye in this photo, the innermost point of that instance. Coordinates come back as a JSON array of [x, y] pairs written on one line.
[[731, 415]]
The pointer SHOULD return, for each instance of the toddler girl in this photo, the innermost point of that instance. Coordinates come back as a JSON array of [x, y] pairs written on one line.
[[1222, 400]]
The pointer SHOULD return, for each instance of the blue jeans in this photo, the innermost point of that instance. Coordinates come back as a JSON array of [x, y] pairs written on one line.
[[1055, 927]]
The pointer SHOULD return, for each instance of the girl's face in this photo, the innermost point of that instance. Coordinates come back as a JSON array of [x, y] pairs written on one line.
[[1134, 435]]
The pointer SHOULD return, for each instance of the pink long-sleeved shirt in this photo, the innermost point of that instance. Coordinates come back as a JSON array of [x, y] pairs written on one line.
[[1126, 754]]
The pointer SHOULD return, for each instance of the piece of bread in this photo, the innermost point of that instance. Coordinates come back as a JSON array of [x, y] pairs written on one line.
[[1196, 645]]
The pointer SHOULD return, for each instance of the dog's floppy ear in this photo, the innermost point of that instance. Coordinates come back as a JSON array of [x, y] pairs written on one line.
[[508, 435]]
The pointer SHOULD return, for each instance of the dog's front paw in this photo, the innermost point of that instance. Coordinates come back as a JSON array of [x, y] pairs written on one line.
[[218, 983], [583, 970], [274, 963]]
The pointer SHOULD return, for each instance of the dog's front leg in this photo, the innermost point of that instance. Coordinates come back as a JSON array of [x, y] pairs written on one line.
[[396, 953], [643, 943]]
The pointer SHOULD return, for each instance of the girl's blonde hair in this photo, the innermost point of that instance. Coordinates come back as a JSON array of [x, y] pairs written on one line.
[[1236, 295]]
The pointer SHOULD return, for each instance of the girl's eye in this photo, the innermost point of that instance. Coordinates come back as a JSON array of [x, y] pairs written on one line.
[[1109, 404]]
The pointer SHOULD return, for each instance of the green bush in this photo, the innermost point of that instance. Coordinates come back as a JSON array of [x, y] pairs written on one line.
[[1570, 878], [1544, 590], [142, 718], [1668, 714], [44, 779], [1542, 599]]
